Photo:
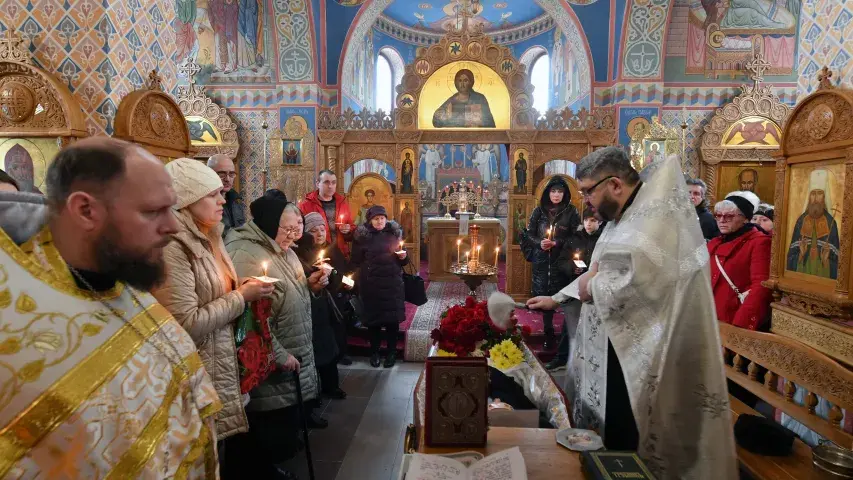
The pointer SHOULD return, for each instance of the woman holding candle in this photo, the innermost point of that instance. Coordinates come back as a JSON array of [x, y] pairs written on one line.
[[273, 410], [380, 271], [550, 226], [327, 318], [201, 289]]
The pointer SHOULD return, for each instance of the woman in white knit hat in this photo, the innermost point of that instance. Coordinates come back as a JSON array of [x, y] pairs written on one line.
[[202, 290]]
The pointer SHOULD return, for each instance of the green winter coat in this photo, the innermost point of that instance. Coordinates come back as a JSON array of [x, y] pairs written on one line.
[[290, 323]]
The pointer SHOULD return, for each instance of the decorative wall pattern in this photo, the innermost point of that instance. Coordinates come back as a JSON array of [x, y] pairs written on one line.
[[293, 94], [101, 50], [687, 96], [826, 30], [293, 29], [696, 121], [643, 44], [506, 36], [251, 154]]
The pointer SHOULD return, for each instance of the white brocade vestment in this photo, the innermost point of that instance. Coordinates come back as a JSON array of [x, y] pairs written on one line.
[[652, 298]]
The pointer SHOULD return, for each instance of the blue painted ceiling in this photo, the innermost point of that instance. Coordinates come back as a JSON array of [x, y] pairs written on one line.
[[440, 15]]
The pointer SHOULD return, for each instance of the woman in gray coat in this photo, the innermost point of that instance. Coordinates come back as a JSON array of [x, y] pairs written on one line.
[[273, 409]]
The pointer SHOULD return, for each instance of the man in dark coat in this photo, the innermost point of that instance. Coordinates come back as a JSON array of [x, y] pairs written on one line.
[[579, 247], [233, 215], [380, 280], [550, 226], [697, 189]]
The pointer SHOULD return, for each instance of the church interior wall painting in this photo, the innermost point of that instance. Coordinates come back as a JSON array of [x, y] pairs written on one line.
[[630, 117], [439, 165], [358, 83], [815, 209], [464, 95], [366, 191], [229, 39], [566, 81], [26, 160], [370, 165], [100, 50]]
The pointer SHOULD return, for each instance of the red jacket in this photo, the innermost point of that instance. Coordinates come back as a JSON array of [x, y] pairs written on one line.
[[746, 260], [312, 204]]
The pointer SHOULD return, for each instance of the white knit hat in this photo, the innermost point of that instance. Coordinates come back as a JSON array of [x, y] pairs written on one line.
[[192, 180]]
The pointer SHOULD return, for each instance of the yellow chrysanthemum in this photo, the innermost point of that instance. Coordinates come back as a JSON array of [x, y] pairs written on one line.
[[444, 353], [506, 355]]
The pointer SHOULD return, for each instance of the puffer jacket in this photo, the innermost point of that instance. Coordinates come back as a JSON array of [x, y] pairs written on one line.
[[206, 305], [290, 323], [548, 278], [380, 274]]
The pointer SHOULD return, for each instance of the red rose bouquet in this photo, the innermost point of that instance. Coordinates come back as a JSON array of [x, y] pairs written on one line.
[[467, 330], [254, 345]]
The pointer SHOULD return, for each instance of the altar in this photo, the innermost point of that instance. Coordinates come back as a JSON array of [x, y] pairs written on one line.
[[441, 238]]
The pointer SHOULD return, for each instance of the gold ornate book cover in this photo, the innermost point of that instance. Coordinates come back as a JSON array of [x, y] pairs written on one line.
[[457, 391]]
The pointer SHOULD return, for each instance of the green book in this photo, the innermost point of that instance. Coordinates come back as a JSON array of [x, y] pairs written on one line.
[[604, 465]]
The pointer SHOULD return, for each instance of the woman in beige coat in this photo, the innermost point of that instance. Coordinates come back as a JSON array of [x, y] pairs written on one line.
[[200, 289]]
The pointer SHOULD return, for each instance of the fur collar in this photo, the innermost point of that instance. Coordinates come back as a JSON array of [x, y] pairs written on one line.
[[391, 227]]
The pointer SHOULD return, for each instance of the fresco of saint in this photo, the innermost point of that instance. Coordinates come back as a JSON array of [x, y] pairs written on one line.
[[467, 108], [815, 241]]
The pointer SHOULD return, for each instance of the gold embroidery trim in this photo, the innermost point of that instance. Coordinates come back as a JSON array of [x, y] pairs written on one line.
[[60, 279], [65, 396], [135, 458], [199, 447]]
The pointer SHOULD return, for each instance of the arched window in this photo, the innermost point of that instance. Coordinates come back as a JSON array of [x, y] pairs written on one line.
[[389, 74], [384, 84], [540, 74]]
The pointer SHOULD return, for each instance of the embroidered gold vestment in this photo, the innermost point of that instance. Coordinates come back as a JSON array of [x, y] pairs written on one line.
[[84, 394]]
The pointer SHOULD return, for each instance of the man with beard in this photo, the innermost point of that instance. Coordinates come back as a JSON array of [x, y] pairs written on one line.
[[814, 244], [85, 344], [648, 374], [233, 215]]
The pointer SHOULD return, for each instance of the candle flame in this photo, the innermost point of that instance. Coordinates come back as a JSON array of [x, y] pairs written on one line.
[[322, 255], [264, 267], [459, 242], [497, 249]]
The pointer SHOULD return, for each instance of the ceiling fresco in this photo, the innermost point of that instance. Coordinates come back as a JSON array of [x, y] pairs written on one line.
[[440, 15]]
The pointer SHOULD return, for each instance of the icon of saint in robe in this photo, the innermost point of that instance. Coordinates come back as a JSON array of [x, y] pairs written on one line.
[[814, 248], [467, 108], [406, 174], [291, 154]]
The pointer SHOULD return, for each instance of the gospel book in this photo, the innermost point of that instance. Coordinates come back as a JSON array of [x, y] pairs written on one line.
[[505, 465], [608, 465]]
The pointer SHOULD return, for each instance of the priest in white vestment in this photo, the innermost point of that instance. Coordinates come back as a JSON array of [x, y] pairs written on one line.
[[648, 371], [99, 380], [483, 161]]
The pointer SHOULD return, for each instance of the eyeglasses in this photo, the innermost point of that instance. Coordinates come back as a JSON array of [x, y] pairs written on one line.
[[727, 217], [224, 175], [588, 192], [290, 231]]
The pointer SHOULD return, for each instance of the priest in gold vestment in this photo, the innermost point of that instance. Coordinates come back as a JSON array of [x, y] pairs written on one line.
[[97, 380]]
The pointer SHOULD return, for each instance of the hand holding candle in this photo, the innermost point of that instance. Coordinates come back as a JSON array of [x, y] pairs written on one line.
[[265, 278], [401, 249]]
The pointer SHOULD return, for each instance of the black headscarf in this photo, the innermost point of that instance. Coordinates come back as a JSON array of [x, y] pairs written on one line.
[[266, 213]]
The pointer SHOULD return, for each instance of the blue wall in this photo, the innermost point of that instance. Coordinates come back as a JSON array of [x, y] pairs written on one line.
[[621, 6], [544, 39], [338, 21], [595, 19], [406, 50]]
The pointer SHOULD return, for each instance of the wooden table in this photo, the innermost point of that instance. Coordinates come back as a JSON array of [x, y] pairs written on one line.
[[442, 234]]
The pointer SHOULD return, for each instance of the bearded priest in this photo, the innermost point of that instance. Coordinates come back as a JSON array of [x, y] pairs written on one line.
[[648, 371], [99, 381]]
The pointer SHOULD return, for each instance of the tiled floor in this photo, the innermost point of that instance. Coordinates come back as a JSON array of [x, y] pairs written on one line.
[[364, 440]]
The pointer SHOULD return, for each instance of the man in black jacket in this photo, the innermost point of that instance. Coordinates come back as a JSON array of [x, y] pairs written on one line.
[[697, 189], [578, 248], [233, 215]]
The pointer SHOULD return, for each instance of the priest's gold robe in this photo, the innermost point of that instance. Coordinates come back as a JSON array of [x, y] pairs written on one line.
[[84, 394], [652, 299]]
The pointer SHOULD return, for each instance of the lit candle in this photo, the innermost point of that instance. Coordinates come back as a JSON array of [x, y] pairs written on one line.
[[264, 267], [401, 250], [497, 250], [478, 252], [466, 257], [321, 256], [577, 256], [458, 243], [551, 232], [348, 281], [548, 234], [341, 219]]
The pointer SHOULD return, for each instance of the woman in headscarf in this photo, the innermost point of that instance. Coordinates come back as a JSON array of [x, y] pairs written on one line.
[[273, 411], [557, 215], [202, 290]]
